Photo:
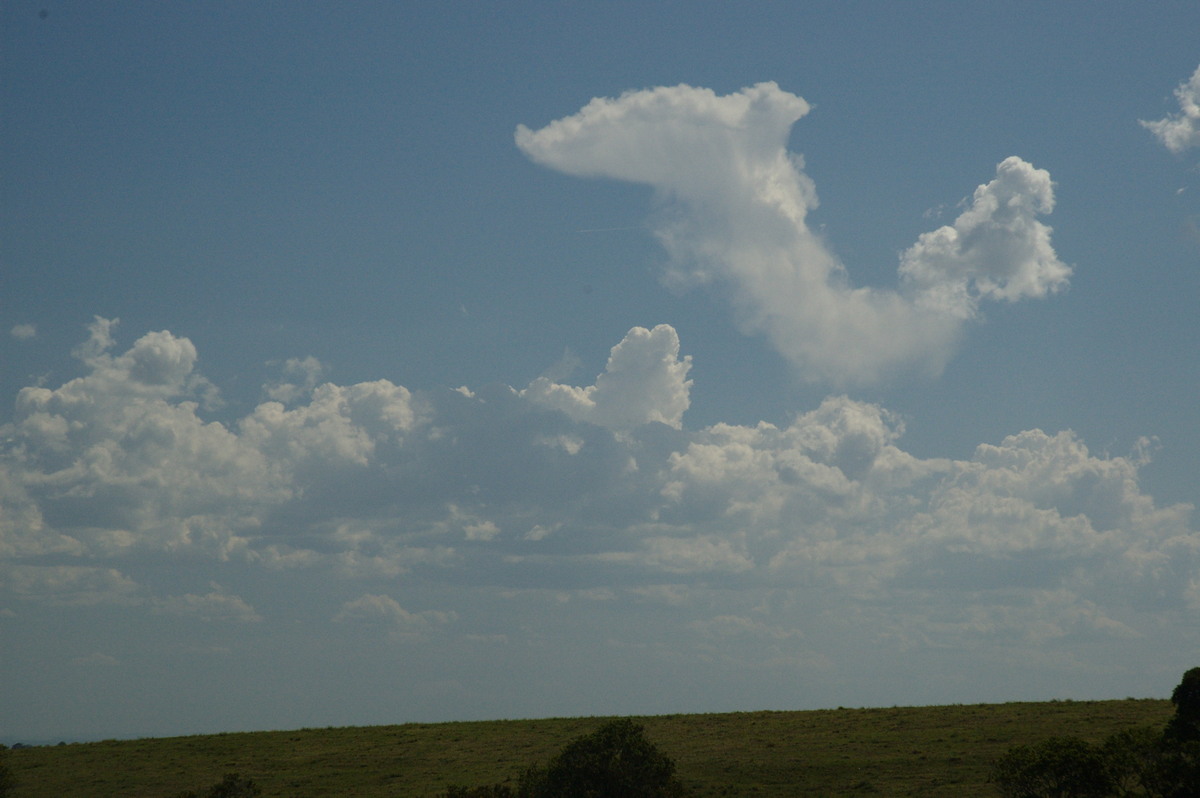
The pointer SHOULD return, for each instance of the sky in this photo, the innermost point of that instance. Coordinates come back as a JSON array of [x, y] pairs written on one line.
[[367, 363]]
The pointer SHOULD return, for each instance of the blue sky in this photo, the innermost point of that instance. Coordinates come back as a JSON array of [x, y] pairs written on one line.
[[374, 362]]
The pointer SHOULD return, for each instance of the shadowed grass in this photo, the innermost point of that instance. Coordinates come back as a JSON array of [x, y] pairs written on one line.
[[926, 751]]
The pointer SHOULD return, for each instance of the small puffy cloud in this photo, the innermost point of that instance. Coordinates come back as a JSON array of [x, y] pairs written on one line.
[[735, 207], [645, 380], [23, 332], [1180, 131], [158, 364], [484, 530], [996, 249]]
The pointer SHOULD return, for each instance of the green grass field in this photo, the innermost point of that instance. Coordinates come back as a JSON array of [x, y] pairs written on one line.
[[925, 751]]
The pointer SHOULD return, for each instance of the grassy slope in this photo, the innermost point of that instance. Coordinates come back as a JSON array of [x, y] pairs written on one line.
[[926, 751]]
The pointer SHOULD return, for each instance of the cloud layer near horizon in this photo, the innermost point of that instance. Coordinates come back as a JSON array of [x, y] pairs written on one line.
[[599, 489], [735, 203]]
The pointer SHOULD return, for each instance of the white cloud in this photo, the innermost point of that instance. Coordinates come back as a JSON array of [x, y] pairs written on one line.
[[119, 458], [735, 208], [340, 424], [996, 249], [824, 522], [23, 332], [645, 380], [1180, 131]]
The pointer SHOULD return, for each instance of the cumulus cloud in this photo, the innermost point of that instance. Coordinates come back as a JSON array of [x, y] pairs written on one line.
[[748, 532], [996, 249], [23, 332], [645, 380], [122, 459], [735, 203], [1180, 131], [340, 424]]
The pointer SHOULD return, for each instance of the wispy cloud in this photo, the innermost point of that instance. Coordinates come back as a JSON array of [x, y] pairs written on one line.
[[733, 213]]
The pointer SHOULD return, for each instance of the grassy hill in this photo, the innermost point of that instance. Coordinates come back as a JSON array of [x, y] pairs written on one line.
[[925, 751]]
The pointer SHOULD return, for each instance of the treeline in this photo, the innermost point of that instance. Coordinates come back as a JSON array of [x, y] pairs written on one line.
[[1144, 762]]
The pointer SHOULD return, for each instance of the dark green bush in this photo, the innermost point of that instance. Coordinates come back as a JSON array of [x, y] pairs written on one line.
[[1135, 760], [1060, 767], [615, 761], [232, 786]]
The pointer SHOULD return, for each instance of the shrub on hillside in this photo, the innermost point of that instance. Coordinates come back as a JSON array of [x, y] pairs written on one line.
[[232, 786], [1060, 767], [615, 761], [1137, 762]]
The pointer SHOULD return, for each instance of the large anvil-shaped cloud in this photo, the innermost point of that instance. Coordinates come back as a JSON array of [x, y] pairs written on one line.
[[739, 201]]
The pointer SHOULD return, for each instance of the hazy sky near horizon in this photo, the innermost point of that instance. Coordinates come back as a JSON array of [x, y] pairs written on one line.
[[381, 362]]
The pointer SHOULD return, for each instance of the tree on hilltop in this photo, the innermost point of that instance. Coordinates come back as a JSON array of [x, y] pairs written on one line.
[[1185, 725], [614, 761]]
